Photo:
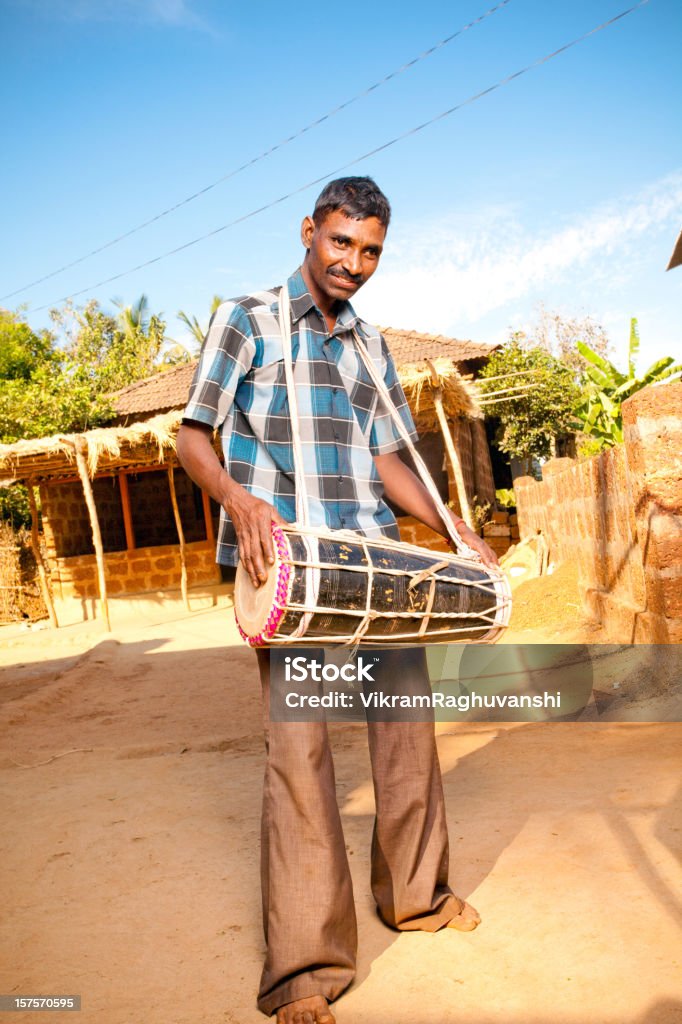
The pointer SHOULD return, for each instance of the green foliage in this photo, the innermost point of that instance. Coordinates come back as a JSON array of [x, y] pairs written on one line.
[[505, 497], [529, 420], [21, 349], [14, 507], [598, 411], [48, 388]]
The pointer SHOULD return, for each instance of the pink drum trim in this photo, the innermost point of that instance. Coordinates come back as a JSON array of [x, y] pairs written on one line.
[[281, 594]]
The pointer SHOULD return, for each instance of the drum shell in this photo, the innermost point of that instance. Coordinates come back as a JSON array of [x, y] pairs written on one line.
[[463, 592]]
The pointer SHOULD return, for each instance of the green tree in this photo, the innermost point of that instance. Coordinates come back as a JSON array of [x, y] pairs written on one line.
[[531, 419], [598, 411]]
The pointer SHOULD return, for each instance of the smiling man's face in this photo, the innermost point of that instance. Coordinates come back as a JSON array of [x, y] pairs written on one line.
[[342, 254]]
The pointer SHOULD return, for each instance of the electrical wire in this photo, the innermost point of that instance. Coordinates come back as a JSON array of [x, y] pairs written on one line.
[[266, 153], [372, 152]]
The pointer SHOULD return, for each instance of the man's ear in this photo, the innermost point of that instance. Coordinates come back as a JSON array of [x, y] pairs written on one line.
[[307, 229]]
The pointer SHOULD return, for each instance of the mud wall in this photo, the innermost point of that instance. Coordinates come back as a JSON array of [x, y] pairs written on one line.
[[619, 516]]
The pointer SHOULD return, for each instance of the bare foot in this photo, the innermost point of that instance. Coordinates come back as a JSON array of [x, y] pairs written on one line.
[[467, 919], [313, 1010]]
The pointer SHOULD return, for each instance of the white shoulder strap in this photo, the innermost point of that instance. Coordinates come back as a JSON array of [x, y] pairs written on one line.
[[421, 467], [302, 511]]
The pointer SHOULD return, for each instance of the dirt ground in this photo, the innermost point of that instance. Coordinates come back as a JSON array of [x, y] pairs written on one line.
[[131, 770]]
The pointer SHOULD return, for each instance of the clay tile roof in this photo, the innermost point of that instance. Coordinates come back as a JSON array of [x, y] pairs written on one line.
[[169, 389], [411, 347], [163, 391]]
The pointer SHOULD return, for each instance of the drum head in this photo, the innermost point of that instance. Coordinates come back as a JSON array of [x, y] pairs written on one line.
[[252, 605]]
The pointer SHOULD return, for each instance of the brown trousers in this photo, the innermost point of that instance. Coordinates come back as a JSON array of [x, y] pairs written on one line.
[[308, 911]]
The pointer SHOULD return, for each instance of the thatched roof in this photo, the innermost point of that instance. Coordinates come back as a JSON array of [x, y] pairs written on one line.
[[169, 389], [458, 396], [107, 449]]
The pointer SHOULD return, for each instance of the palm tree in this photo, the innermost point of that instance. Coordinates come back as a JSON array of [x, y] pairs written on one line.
[[193, 324]]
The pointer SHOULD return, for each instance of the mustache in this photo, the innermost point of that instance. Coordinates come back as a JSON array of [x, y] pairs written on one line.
[[355, 278]]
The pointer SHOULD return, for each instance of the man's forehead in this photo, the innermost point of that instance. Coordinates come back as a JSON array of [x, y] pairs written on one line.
[[338, 220]]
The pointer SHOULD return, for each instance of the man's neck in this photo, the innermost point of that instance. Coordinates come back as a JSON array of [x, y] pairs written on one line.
[[328, 309]]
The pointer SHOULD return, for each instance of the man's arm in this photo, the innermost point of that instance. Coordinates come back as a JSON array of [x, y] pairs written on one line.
[[252, 517], [404, 487]]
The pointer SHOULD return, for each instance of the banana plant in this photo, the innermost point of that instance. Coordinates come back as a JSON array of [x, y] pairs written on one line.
[[605, 388]]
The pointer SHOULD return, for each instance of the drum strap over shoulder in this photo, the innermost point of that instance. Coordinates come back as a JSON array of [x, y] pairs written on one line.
[[302, 512]]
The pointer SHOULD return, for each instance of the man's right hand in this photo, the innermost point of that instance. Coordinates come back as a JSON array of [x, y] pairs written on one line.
[[252, 519]]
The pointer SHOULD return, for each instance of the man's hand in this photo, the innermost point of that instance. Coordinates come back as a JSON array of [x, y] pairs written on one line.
[[476, 543], [252, 519]]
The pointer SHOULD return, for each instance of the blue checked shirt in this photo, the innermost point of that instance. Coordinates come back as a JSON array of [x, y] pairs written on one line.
[[239, 387]]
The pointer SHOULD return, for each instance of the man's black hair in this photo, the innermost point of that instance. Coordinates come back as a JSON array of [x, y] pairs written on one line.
[[358, 198]]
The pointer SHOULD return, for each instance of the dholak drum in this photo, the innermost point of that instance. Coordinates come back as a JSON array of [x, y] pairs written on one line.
[[337, 587]]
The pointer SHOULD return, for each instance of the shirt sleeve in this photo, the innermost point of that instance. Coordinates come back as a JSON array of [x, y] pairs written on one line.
[[384, 436], [225, 359]]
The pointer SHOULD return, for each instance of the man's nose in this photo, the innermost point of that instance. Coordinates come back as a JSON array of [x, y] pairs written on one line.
[[352, 263]]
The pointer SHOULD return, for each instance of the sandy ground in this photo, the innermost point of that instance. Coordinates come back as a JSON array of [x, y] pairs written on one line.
[[131, 770]]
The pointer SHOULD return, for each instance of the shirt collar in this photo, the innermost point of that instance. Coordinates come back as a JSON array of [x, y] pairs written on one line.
[[302, 302]]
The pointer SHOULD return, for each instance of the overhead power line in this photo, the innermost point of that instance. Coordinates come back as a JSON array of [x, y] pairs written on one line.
[[372, 152], [266, 153]]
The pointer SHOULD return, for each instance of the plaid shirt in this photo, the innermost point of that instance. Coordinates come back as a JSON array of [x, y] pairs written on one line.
[[239, 386]]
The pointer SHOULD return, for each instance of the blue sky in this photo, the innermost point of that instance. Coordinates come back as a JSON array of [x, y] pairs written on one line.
[[564, 187]]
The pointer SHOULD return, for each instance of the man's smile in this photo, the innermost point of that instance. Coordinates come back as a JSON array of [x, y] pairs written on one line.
[[345, 280]]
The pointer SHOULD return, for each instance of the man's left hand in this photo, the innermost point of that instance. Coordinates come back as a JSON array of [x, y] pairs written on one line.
[[476, 543]]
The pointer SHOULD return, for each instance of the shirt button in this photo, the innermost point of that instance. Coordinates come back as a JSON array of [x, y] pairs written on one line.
[[340, 479], [336, 437]]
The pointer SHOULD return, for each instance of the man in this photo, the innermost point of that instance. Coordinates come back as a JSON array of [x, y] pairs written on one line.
[[351, 457]]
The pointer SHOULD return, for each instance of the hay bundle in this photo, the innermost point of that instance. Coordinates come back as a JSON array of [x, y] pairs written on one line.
[[458, 396]]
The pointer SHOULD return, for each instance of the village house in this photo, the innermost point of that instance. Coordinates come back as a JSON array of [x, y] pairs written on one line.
[[121, 517]]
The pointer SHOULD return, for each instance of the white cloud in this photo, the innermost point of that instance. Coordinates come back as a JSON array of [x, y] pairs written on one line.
[[444, 277]]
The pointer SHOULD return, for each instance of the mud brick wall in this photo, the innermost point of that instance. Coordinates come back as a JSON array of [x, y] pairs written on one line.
[[134, 572], [619, 515], [65, 517]]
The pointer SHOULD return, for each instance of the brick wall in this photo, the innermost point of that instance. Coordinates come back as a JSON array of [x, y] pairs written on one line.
[[66, 523], [619, 516], [134, 572]]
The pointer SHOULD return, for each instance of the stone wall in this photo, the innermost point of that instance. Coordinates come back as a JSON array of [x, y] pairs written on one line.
[[619, 516]]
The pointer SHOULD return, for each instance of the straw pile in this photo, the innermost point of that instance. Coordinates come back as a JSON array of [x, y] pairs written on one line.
[[458, 396]]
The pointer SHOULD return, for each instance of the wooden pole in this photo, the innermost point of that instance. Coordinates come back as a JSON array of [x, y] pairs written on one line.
[[208, 518], [38, 555], [127, 513], [82, 465], [181, 537], [462, 497]]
